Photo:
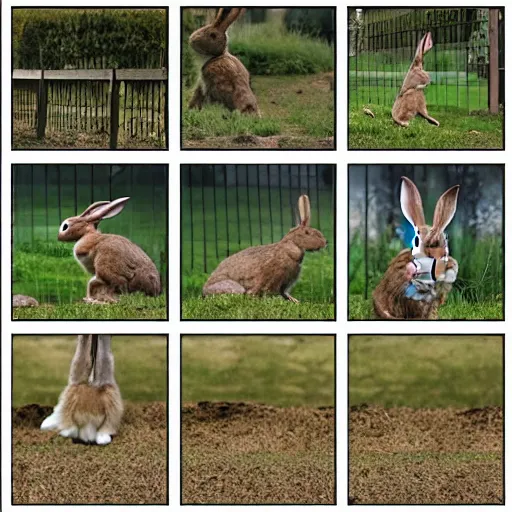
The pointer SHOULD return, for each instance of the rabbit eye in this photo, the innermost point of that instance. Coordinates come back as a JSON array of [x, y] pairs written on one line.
[[213, 35], [416, 241], [64, 227], [307, 231]]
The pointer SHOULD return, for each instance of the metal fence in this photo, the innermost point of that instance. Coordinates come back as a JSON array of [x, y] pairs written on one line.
[[378, 231], [226, 208], [382, 43], [44, 195], [86, 101]]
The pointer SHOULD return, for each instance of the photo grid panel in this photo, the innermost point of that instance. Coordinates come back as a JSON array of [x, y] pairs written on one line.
[[290, 220]]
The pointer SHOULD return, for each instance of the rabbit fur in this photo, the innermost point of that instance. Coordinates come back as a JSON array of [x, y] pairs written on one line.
[[268, 269], [389, 298], [223, 79], [411, 99], [90, 407], [116, 263]]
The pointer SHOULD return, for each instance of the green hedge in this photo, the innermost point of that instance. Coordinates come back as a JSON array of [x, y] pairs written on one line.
[[313, 22], [91, 38]]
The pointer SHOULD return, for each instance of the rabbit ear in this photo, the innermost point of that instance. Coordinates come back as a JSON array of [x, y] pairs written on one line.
[[93, 207], [304, 210], [445, 209], [108, 210], [410, 201], [226, 16]]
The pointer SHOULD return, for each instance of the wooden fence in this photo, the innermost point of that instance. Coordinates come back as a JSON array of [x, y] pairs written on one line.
[[87, 100]]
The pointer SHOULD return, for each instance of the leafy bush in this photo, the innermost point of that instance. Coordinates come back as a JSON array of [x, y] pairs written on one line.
[[63, 38]]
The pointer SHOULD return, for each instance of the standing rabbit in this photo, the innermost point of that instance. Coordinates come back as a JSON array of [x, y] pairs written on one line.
[[224, 78], [116, 263], [268, 269], [418, 281], [411, 99], [90, 407]]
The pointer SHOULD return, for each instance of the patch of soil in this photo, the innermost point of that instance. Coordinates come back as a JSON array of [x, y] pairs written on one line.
[[247, 453], [425, 456], [49, 469], [256, 142]]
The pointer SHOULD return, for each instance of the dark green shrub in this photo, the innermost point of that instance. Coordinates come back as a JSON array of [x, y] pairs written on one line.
[[313, 22], [92, 38]]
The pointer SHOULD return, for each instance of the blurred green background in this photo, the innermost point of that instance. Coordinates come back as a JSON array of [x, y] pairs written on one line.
[[281, 370], [426, 370]]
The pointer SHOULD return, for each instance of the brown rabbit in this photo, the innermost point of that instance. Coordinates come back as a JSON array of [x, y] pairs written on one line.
[[411, 99], [117, 264], [90, 407], [268, 269], [402, 294], [224, 78]]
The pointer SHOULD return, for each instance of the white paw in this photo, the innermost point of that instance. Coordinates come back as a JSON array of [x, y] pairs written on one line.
[[69, 432], [50, 423], [103, 438], [88, 433]]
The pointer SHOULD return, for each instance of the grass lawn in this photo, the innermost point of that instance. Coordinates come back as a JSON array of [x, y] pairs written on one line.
[[297, 112], [130, 307], [458, 130], [41, 367], [426, 371], [454, 309], [235, 307], [280, 370]]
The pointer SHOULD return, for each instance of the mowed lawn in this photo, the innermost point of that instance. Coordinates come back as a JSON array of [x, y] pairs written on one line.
[[297, 111]]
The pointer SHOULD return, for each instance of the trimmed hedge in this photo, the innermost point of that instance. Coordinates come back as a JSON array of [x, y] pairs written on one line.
[[89, 38]]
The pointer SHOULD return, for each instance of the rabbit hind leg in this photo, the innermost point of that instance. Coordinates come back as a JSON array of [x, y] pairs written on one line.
[[422, 111], [99, 292], [224, 286]]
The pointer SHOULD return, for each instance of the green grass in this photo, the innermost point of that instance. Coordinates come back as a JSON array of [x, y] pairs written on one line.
[[289, 370], [233, 307], [300, 109], [453, 309], [130, 307], [426, 371], [458, 130], [41, 366]]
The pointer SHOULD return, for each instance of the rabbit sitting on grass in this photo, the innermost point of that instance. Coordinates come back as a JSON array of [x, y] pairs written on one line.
[[268, 269], [116, 263], [224, 79], [403, 292], [90, 407]]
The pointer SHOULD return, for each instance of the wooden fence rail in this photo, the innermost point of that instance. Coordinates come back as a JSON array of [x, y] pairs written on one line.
[[37, 81]]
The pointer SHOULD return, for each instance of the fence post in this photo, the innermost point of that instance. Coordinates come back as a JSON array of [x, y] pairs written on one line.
[[494, 74], [114, 111], [42, 102]]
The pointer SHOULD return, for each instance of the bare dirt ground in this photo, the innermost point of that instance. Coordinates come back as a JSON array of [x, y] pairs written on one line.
[[25, 138], [425, 456], [49, 469], [256, 454]]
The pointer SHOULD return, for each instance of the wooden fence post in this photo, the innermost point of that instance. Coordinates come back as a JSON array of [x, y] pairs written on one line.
[[494, 73], [42, 102], [114, 111]]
